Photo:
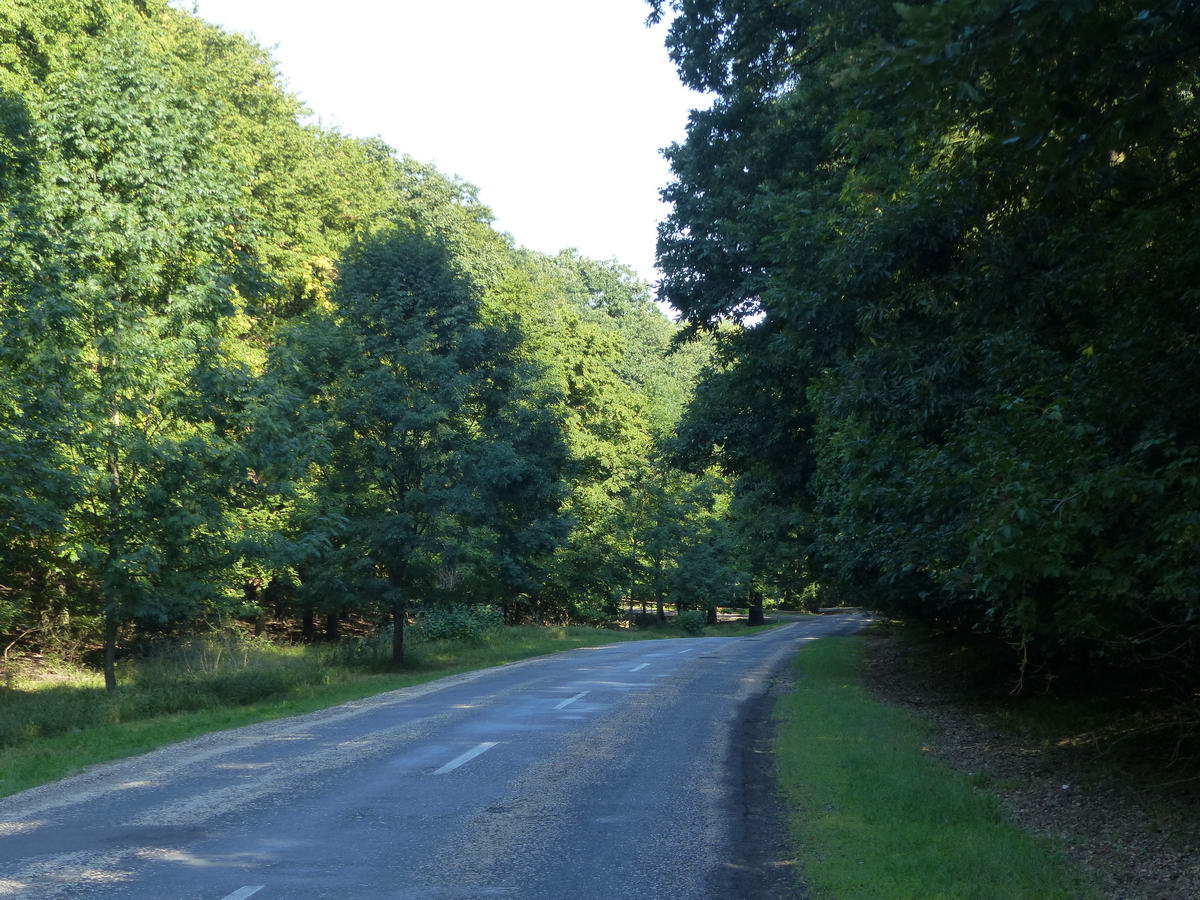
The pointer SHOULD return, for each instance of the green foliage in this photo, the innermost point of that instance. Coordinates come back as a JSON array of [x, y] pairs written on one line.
[[252, 368], [442, 456], [369, 651], [458, 623], [115, 300], [691, 621], [960, 239]]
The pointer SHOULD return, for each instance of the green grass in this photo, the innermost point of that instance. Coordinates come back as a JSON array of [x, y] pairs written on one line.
[[873, 815], [51, 729]]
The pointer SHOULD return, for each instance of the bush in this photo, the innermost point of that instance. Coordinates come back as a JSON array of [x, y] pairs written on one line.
[[469, 624], [691, 621], [211, 655], [595, 614], [174, 677], [239, 688]]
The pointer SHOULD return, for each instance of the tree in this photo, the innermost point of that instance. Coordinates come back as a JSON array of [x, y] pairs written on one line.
[[959, 237], [442, 462], [250, 364], [117, 310]]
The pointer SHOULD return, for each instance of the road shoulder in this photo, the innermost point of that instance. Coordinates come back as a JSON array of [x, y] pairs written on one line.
[[758, 862], [1113, 810]]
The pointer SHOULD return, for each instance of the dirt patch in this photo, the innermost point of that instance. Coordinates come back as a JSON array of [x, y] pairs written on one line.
[[757, 862], [1124, 807]]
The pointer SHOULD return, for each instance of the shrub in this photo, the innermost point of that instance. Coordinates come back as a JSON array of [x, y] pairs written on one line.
[[691, 621], [469, 624], [593, 614]]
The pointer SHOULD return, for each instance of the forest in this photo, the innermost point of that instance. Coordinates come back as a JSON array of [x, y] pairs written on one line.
[[256, 371], [961, 236], [936, 270], [296, 440]]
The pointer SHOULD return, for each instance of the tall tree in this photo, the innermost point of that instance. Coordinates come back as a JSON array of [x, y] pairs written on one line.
[[958, 235], [118, 310], [433, 467]]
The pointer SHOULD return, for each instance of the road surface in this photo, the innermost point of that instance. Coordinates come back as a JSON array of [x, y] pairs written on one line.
[[627, 770]]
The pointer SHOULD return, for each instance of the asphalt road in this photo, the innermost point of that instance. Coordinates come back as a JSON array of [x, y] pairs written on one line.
[[609, 772]]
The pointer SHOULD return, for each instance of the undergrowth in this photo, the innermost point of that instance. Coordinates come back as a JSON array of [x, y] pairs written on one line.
[[1132, 719]]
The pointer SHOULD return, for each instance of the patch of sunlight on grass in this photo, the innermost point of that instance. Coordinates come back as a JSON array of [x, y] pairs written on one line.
[[873, 814]]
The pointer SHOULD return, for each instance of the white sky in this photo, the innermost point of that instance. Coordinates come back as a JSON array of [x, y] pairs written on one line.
[[555, 109]]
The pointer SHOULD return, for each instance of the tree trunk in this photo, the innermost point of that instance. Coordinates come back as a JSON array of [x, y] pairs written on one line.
[[332, 621], [308, 627], [110, 647], [399, 597], [111, 601], [275, 595], [251, 591], [658, 590], [756, 609], [711, 616], [399, 617]]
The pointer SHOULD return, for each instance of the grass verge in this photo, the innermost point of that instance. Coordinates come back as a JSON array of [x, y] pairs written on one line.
[[872, 815], [54, 729]]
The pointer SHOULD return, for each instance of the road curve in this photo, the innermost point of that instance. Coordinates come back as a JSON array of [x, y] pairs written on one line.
[[596, 773]]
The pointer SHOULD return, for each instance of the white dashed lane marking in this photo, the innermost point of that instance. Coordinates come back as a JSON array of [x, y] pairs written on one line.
[[465, 758], [564, 704]]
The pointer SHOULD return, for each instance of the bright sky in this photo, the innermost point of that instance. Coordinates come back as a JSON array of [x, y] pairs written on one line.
[[555, 109]]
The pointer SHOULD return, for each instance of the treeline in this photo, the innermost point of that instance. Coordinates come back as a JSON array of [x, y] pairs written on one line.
[[252, 368], [962, 238]]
